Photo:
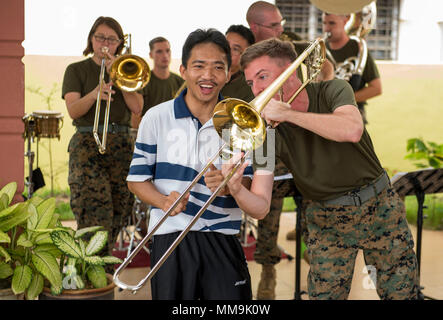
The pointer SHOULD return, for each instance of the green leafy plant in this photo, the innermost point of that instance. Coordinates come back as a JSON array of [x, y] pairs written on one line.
[[429, 154], [82, 266], [27, 255]]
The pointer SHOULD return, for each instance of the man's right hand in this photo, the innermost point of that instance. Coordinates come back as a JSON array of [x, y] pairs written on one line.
[[170, 199]]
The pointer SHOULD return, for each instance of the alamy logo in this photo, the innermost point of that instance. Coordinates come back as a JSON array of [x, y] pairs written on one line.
[[370, 281], [70, 280], [181, 152], [239, 283]]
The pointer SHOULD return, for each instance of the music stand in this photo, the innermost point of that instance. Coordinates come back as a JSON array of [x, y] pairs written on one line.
[[419, 183], [298, 202]]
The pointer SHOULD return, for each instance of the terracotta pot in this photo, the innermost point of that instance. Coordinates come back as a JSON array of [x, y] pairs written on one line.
[[106, 293], [7, 294]]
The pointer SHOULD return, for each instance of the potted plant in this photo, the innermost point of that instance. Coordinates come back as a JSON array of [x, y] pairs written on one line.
[[27, 255], [84, 276]]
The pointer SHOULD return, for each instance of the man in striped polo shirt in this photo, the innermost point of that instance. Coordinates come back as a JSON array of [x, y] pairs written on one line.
[[174, 142]]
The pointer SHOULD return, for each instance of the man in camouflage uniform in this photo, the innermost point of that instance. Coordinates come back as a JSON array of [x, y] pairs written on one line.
[[379, 228], [349, 202]]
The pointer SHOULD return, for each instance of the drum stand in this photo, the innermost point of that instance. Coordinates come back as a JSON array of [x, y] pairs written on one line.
[[35, 179], [131, 231], [138, 216], [29, 135]]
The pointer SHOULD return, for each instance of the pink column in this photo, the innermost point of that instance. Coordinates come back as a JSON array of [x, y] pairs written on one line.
[[12, 93]]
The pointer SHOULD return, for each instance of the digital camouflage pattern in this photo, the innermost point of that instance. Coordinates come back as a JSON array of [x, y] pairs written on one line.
[[334, 234], [99, 193]]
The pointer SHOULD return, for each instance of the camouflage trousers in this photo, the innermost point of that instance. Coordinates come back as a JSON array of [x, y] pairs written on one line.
[[334, 234], [99, 193], [267, 250]]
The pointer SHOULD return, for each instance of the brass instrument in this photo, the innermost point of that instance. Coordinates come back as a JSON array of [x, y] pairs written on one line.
[[342, 7], [240, 126], [358, 26], [301, 45], [129, 73], [363, 14]]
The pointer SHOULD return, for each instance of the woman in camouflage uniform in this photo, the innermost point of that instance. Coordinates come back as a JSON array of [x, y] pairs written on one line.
[[99, 194]]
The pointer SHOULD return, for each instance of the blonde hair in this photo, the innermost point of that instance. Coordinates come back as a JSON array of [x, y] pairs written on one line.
[[281, 51]]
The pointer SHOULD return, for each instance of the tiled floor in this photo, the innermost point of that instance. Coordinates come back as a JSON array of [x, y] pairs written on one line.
[[362, 287]]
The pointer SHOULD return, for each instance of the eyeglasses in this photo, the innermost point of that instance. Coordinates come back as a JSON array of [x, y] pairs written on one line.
[[274, 25], [101, 38]]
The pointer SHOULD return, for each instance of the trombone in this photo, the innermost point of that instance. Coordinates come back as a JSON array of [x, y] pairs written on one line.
[[247, 131], [129, 73]]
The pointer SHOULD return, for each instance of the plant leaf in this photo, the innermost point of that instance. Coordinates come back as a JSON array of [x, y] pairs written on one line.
[[66, 244], [47, 265], [4, 237], [421, 146], [434, 162], [79, 233], [43, 238], [5, 254], [82, 247], [35, 287], [20, 214], [35, 200], [5, 270], [94, 260], [21, 279], [111, 260], [45, 212], [9, 210], [49, 248], [4, 201], [54, 221], [97, 276], [9, 190], [23, 240], [97, 242], [33, 218]]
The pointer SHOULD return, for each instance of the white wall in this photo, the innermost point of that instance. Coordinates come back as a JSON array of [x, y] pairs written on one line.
[[61, 27], [421, 32]]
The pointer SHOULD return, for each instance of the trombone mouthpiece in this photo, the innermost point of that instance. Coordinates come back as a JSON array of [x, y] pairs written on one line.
[[105, 50]]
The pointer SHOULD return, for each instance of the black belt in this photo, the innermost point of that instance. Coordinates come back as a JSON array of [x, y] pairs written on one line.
[[112, 128], [359, 197]]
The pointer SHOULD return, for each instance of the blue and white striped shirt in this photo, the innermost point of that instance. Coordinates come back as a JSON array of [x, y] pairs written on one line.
[[172, 147]]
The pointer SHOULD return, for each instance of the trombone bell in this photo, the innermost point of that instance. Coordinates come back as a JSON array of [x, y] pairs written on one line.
[[239, 125], [130, 73]]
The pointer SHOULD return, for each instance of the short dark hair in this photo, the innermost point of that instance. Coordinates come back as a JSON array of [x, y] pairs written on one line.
[[205, 36], [273, 48], [111, 23], [156, 40], [243, 31]]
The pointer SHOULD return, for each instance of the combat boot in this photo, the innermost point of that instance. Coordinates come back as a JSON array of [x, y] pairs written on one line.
[[266, 287], [290, 235]]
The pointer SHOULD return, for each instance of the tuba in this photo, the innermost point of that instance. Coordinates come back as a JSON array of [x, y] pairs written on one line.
[[359, 25], [129, 73], [363, 14]]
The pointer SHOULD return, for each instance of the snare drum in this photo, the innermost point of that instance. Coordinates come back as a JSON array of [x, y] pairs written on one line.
[[47, 123]]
